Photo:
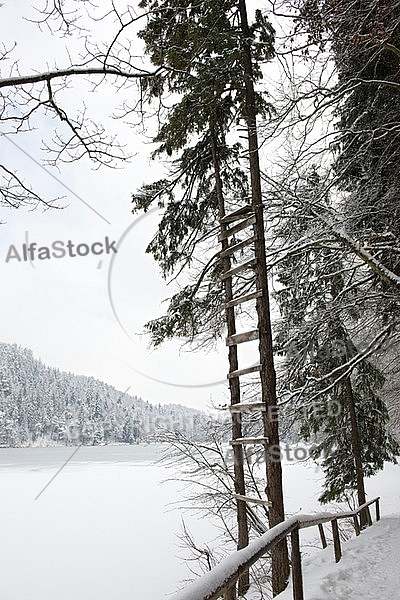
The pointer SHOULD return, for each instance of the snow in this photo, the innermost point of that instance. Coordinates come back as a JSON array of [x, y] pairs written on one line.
[[227, 568], [368, 570], [212, 581], [105, 529], [352, 578]]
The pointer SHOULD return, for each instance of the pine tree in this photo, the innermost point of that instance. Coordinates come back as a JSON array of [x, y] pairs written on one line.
[[364, 38], [332, 316], [333, 385], [46, 406], [213, 57], [206, 71]]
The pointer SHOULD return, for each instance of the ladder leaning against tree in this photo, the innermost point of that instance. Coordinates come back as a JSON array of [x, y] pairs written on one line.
[[240, 222]]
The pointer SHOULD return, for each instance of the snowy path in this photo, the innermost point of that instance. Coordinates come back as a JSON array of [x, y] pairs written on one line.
[[369, 569]]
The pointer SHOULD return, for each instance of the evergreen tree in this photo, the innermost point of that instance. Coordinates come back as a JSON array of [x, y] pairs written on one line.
[[206, 71], [39, 405], [333, 384], [212, 59], [364, 38]]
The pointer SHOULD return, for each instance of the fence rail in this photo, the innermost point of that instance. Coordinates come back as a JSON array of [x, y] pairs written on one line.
[[221, 580]]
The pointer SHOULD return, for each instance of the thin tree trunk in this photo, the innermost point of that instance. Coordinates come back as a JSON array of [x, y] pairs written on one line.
[[234, 385], [357, 451], [280, 559], [356, 445]]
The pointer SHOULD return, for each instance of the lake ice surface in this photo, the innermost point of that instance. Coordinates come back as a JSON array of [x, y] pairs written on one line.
[[102, 530], [105, 529]]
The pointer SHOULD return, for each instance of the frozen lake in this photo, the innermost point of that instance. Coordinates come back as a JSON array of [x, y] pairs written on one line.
[[102, 530]]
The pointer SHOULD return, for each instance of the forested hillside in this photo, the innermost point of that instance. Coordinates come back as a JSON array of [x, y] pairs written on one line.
[[44, 406]]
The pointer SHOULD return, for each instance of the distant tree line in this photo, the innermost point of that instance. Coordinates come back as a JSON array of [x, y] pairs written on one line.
[[42, 406]]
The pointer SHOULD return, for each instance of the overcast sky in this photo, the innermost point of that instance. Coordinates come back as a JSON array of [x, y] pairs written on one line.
[[60, 308]]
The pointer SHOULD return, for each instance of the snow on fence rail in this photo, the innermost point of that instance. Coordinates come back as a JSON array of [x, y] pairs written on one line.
[[221, 580]]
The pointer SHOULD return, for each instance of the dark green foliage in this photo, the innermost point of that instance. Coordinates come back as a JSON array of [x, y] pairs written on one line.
[[364, 37], [185, 315], [201, 47], [369, 153], [330, 423], [189, 200], [333, 308]]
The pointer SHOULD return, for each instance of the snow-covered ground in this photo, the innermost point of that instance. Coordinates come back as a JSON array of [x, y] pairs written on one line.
[[105, 529], [368, 570]]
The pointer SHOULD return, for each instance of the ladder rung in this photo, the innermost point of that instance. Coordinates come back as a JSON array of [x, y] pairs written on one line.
[[255, 500], [242, 407], [249, 440], [237, 214], [240, 338], [226, 234], [251, 296], [240, 372], [246, 265], [238, 246]]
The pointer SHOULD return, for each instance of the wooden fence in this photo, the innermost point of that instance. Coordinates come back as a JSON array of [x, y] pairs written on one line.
[[221, 580]]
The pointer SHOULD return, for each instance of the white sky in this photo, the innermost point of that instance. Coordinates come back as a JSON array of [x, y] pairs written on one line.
[[60, 308]]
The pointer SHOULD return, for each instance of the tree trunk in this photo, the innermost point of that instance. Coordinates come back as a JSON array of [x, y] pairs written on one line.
[[280, 559], [357, 450], [356, 445]]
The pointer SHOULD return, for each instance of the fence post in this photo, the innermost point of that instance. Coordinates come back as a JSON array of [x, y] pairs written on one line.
[[377, 511], [230, 594], [297, 576], [336, 540], [356, 525], [322, 535]]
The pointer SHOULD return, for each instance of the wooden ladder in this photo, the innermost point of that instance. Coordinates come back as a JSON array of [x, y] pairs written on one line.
[[241, 221]]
